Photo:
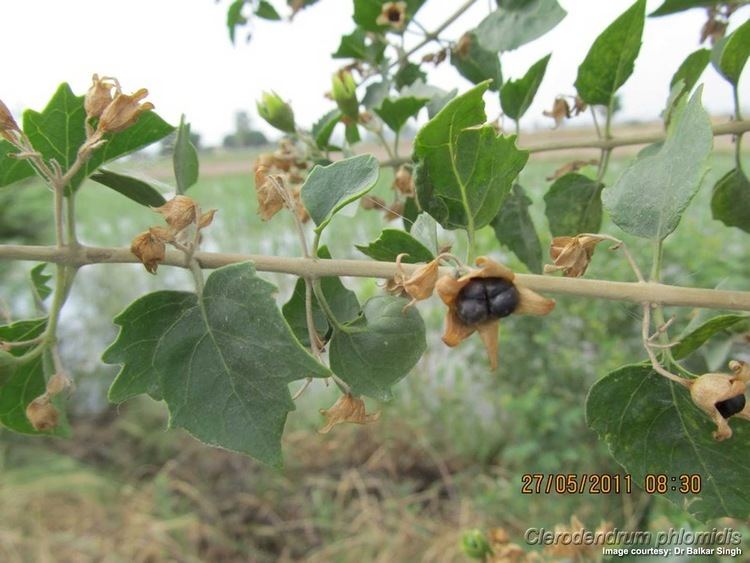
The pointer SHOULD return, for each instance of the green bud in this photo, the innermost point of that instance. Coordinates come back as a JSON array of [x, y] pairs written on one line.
[[475, 544], [344, 92], [276, 112]]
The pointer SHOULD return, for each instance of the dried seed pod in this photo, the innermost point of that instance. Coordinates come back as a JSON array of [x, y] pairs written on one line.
[[8, 125], [98, 97], [149, 247], [42, 414], [559, 112], [178, 212], [572, 255], [722, 396], [123, 111]]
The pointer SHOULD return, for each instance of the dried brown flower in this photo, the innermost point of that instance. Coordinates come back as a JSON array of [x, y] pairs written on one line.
[[8, 125], [58, 383], [560, 111], [267, 189], [347, 408], [403, 181], [123, 111], [393, 14], [42, 414], [179, 212], [99, 96], [370, 202], [572, 255], [419, 285], [456, 330], [579, 106], [714, 28], [149, 247], [503, 550]]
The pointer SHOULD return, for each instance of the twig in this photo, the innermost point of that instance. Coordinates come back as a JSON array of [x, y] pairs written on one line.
[[591, 288], [655, 364]]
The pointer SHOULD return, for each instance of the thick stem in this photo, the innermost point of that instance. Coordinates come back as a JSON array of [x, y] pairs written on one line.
[[590, 288]]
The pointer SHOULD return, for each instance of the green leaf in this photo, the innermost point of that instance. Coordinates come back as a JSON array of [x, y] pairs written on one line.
[[650, 197], [464, 169], [39, 282], [225, 362], [609, 62], [352, 134], [142, 325], [515, 229], [375, 93], [328, 189], [476, 63], [691, 69], [184, 158], [438, 97], [730, 202], [58, 131], [380, 348], [516, 95], [323, 129], [355, 46], [23, 382], [393, 242], [511, 26], [235, 17], [652, 427], [674, 6], [132, 188], [343, 303], [407, 75], [410, 213], [574, 205], [367, 11], [696, 338], [12, 169], [395, 113], [424, 229], [731, 53], [266, 11]]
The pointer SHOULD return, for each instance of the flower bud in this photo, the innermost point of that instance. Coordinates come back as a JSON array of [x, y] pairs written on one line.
[[276, 112], [98, 97], [475, 544], [8, 125], [42, 414], [404, 182], [123, 112], [344, 92]]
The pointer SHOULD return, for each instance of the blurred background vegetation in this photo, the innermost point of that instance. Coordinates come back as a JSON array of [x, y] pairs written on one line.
[[447, 454]]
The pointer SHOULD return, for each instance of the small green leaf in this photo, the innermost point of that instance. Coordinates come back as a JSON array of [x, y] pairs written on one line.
[[610, 61], [653, 427], [356, 45], [375, 93], [516, 24], [225, 362], [730, 54], [39, 282], [674, 6], [574, 205], [424, 229], [142, 325], [516, 95], [515, 229], [185, 158], [464, 169], [380, 348], [438, 97], [395, 113], [408, 74], [730, 202], [24, 382], [691, 69], [58, 132], [696, 338], [235, 17], [132, 188], [343, 303], [649, 198], [393, 242], [328, 189], [475, 63], [266, 11], [323, 129]]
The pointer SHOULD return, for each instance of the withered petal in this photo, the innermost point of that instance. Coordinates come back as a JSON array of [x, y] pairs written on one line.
[[455, 330], [531, 303], [489, 333]]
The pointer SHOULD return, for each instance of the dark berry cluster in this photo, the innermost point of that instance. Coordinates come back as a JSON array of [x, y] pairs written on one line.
[[483, 299], [731, 406]]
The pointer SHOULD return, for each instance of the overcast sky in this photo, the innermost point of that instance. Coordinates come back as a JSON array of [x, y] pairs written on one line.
[[180, 51]]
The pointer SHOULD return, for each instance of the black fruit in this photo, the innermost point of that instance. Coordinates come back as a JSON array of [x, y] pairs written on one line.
[[731, 406], [486, 298]]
